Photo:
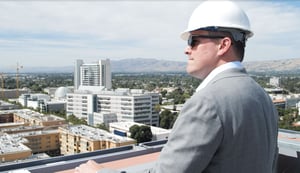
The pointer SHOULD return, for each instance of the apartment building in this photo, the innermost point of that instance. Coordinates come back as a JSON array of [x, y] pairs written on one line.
[[92, 75], [11, 148], [36, 131], [123, 104], [22, 143], [40, 141], [81, 138]]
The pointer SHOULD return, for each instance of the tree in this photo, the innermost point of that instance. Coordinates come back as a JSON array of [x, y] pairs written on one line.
[[164, 93], [287, 119], [167, 119], [74, 120], [102, 126], [141, 133]]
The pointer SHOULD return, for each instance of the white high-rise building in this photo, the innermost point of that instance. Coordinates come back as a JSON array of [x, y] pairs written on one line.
[[92, 76], [275, 81], [82, 105], [133, 105], [94, 101], [114, 106]]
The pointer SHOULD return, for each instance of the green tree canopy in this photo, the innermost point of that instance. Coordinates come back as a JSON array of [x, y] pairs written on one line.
[[74, 120], [141, 133], [167, 119], [102, 126]]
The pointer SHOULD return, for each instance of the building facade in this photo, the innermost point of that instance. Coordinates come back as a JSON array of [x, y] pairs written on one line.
[[40, 141], [92, 74], [121, 105], [33, 100], [82, 105]]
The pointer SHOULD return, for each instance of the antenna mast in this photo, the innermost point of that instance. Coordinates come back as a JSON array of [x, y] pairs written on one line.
[[17, 79]]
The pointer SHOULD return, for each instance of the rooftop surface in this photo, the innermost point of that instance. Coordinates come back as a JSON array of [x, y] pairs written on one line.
[[12, 144], [94, 133], [28, 114], [126, 125]]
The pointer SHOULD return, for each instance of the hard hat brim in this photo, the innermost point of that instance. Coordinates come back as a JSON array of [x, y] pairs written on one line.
[[185, 35]]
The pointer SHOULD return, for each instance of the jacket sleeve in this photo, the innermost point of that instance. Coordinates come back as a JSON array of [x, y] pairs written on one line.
[[195, 138]]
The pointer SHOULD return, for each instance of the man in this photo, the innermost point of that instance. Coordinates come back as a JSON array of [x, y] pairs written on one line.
[[230, 124]]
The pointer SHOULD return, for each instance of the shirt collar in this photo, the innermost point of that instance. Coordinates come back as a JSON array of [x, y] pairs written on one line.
[[221, 68]]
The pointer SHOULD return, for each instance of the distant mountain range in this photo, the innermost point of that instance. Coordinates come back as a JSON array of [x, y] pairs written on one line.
[[287, 65], [155, 65]]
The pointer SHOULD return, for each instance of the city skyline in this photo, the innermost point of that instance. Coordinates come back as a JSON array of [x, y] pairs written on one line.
[[44, 33]]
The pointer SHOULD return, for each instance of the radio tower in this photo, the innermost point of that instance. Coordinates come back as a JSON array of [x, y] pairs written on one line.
[[17, 79]]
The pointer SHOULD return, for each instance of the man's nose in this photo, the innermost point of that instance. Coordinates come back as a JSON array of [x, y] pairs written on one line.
[[187, 50]]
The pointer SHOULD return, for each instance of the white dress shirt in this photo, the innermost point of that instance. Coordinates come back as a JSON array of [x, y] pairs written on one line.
[[212, 74]]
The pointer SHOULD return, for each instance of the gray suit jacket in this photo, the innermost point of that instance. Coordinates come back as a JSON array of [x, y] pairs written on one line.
[[230, 126]]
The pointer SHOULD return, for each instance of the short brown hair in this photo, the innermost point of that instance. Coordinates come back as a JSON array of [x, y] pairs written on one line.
[[238, 46]]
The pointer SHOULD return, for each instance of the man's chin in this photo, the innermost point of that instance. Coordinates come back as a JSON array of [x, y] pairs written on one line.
[[193, 73]]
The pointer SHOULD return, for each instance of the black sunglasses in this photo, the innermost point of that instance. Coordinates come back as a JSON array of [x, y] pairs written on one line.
[[192, 41]]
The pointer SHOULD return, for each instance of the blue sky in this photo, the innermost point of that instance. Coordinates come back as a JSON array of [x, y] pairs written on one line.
[[45, 33]]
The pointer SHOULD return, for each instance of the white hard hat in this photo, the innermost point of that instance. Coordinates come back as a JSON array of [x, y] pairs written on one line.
[[218, 14]]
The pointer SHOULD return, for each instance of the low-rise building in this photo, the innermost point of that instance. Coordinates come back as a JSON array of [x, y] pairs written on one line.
[[33, 100], [13, 93], [41, 141], [81, 138], [7, 106], [52, 106], [103, 118], [122, 129]]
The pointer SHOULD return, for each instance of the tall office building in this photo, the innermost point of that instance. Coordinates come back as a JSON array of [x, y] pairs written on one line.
[[92, 76]]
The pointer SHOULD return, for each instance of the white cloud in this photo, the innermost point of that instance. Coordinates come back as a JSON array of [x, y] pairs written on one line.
[[69, 30]]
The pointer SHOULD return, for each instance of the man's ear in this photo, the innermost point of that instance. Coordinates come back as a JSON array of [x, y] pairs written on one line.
[[224, 45]]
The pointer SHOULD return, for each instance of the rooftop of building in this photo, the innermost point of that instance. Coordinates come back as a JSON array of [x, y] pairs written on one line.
[[126, 125], [94, 134], [116, 92], [3, 103], [17, 126], [289, 142], [29, 114], [34, 133], [12, 144]]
